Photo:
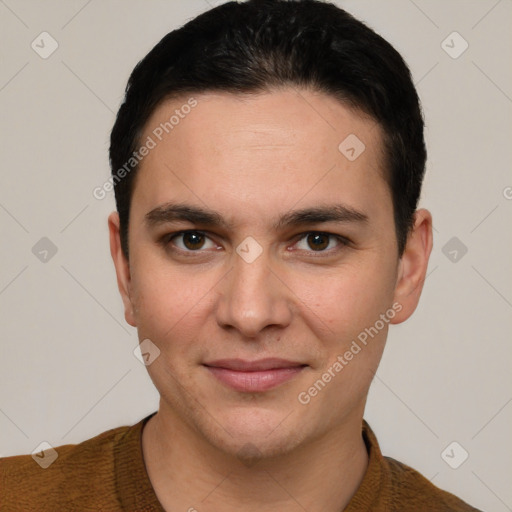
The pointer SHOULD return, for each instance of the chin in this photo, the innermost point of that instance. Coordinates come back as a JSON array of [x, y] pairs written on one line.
[[250, 449], [251, 434]]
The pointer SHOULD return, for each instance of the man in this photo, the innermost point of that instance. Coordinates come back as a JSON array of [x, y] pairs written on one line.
[[267, 163]]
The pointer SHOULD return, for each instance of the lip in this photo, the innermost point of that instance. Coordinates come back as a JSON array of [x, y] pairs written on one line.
[[254, 376]]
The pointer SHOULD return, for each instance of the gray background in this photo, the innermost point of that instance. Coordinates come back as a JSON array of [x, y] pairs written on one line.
[[67, 366]]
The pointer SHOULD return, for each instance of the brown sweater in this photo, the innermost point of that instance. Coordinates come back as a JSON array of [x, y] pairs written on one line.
[[107, 473]]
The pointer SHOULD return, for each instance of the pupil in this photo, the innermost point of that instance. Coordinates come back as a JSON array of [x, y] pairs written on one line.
[[193, 240], [318, 241]]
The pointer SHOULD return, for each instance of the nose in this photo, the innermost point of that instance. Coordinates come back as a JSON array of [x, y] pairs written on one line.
[[253, 297]]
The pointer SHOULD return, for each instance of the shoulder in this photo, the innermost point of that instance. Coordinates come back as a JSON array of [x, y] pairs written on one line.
[[392, 486], [412, 491], [80, 473]]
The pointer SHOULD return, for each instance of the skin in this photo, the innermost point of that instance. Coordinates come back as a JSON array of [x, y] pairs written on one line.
[[252, 159]]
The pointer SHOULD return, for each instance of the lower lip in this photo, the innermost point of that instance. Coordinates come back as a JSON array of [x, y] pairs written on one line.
[[254, 382]]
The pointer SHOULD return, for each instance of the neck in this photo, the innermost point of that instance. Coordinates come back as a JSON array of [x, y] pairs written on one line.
[[189, 474]]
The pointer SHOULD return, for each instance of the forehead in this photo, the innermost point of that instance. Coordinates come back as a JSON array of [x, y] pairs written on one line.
[[261, 151]]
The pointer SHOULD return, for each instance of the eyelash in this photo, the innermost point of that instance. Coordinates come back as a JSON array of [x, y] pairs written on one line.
[[343, 242]]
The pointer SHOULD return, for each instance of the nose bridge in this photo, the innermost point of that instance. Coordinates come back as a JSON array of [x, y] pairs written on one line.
[[252, 298]]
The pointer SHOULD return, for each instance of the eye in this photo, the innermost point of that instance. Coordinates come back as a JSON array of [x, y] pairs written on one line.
[[320, 242], [315, 241], [191, 241]]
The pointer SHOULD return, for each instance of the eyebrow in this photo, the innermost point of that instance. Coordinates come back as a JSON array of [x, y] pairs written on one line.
[[171, 212]]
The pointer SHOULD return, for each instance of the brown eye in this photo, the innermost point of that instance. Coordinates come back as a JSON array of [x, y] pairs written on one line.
[[193, 240], [321, 243], [318, 241], [187, 242]]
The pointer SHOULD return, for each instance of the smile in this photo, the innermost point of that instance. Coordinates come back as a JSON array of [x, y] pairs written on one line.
[[255, 376]]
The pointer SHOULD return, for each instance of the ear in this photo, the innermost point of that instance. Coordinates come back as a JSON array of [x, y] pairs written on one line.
[[413, 265], [122, 267]]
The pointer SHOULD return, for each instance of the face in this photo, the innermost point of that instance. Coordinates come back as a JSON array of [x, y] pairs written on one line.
[[264, 267]]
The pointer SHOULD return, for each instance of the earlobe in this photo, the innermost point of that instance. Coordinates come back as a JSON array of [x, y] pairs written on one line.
[[122, 267], [413, 265]]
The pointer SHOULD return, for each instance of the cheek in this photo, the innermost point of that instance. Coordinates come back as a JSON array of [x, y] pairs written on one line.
[[340, 305], [170, 304]]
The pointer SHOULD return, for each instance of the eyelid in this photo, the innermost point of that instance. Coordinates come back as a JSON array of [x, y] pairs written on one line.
[[343, 241], [167, 239]]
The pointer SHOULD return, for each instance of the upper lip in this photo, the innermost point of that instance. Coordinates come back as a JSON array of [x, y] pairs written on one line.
[[242, 365]]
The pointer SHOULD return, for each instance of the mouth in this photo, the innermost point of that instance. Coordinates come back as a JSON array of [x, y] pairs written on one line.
[[254, 376]]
